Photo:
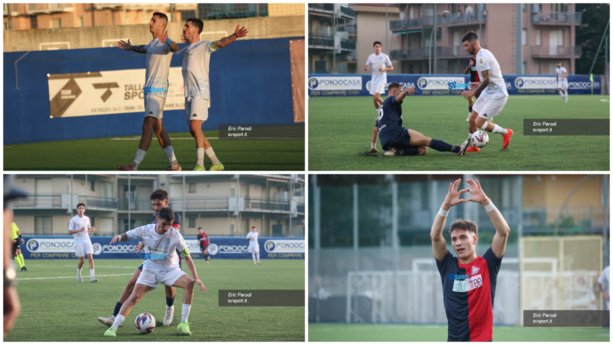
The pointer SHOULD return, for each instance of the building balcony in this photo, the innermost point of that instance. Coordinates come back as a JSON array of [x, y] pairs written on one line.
[[321, 41], [98, 203], [136, 205], [555, 52], [421, 53], [460, 19], [350, 29], [347, 12], [556, 18], [44, 201], [62, 201], [397, 25], [201, 204], [48, 8], [322, 8]]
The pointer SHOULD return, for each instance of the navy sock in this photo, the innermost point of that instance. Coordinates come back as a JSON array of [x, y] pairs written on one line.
[[117, 308], [408, 151], [470, 109], [170, 301], [442, 146], [206, 257]]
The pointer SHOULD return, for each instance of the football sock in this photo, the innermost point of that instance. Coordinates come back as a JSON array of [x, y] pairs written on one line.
[[409, 151], [258, 256], [140, 155], [253, 256], [170, 301], [79, 272], [561, 93], [117, 308], [185, 312], [373, 145], [565, 93], [498, 129], [206, 257], [442, 146], [18, 261], [470, 110], [91, 274], [170, 154], [118, 321], [209, 152], [23, 263], [200, 154]]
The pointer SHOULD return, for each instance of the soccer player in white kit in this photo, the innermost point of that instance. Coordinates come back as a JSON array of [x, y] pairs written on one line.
[[254, 246], [159, 53], [603, 285], [196, 85], [492, 92], [80, 227], [379, 63], [161, 266], [562, 80]]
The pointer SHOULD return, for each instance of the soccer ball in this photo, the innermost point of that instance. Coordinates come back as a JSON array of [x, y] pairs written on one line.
[[479, 139], [144, 323]]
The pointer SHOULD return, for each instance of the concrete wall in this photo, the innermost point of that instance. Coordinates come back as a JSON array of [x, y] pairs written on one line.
[[262, 27]]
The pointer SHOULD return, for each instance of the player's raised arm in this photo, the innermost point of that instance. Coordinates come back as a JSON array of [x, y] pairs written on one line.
[[120, 238], [439, 247], [499, 243], [403, 94], [128, 46], [242, 32], [163, 37]]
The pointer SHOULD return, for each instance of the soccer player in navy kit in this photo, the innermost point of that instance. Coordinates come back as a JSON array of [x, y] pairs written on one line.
[[469, 280], [397, 140]]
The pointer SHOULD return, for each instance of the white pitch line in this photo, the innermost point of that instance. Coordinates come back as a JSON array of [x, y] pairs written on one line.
[[73, 277], [108, 266], [181, 138]]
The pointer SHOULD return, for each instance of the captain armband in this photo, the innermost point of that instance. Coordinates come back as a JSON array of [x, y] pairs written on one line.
[[185, 252]]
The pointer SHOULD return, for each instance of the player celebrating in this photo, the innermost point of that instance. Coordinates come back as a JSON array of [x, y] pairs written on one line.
[[494, 91], [397, 140], [196, 80], [16, 237], [156, 87], [79, 227], [159, 200], [161, 266], [562, 81], [254, 246], [203, 239], [469, 281], [379, 63]]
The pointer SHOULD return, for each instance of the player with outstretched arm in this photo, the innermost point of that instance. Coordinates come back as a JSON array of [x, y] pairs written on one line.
[[161, 266], [469, 280]]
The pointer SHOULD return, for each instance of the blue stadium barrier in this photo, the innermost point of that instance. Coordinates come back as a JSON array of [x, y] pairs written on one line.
[[62, 247], [250, 83], [343, 85]]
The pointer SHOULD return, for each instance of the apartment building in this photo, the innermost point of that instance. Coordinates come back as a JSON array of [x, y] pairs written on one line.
[[332, 38]]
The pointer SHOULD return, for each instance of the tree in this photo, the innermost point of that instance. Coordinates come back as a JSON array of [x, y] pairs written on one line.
[[588, 36]]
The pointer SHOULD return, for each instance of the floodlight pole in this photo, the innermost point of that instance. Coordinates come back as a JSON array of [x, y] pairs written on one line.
[[600, 45]]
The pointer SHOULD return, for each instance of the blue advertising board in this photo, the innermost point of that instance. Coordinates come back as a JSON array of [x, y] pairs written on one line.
[[343, 85], [62, 247]]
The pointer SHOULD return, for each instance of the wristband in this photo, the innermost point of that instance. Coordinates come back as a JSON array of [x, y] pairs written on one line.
[[168, 41], [490, 207], [443, 213]]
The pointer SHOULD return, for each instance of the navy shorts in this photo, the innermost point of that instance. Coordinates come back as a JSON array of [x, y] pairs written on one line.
[[395, 138], [203, 247], [16, 246]]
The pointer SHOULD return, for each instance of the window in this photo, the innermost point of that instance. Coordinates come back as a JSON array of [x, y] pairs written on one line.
[[33, 22], [523, 68], [55, 23], [523, 37], [192, 222], [92, 185], [81, 21], [524, 8], [233, 192], [43, 225], [538, 68], [188, 14], [538, 37], [192, 188]]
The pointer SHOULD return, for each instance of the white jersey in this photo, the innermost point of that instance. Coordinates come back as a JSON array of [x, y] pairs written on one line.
[[196, 70], [486, 61], [605, 278], [253, 239], [160, 250], [374, 62], [158, 66], [560, 73], [76, 223]]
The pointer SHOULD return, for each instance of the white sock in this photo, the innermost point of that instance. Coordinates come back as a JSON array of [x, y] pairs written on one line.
[[185, 312], [118, 321], [79, 272], [258, 254], [253, 256], [170, 154], [565, 93], [200, 154], [211, 155], [498, 129], [561, 93], [373, 145], [91, 273], [140, 155], [112, 318]]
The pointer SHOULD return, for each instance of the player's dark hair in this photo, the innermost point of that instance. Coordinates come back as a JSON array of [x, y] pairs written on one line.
[[162, 16], [199, 228], [197, 23], [80, 204], [253, 227], [470, 36], [461, 224], [393, 85], [159, 194], [377, 42], [167, 214]]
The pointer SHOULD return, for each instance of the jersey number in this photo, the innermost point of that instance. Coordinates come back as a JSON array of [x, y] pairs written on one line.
[[380, 111]]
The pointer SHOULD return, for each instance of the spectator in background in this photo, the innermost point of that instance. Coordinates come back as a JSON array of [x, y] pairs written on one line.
[[603, 285]]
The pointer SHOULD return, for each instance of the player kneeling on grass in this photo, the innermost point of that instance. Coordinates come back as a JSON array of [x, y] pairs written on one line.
[[469, 281], [397, 140], [161, 267]]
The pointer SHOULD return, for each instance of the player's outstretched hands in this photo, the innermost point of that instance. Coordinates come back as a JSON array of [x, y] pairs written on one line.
[[202, 288], [125, 45], [477, 193], [163, 37], [453, 196], [242, 32], [115, 239]]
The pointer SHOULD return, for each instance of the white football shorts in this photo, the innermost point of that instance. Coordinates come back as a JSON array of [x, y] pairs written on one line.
[[377, 88], [154, 106], [563, 84], [253, 248], [153, 278], [488, 107], [196, 109], [84, 249]]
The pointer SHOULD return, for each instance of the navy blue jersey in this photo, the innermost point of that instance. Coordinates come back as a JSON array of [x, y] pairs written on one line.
[[175, 224], [389, 120], [468, 292], [474, 76]]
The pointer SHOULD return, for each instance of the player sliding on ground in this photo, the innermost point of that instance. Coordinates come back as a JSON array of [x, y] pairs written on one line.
[[161, 267], [469, 281], [159, 200], [156, 87], [397, 140], [196, 80], [491, 94], [379, 63]]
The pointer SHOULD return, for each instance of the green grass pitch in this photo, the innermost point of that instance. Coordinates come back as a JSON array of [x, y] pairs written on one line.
[[413, 333], [107, 153], [340, 130], [61, 309]]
